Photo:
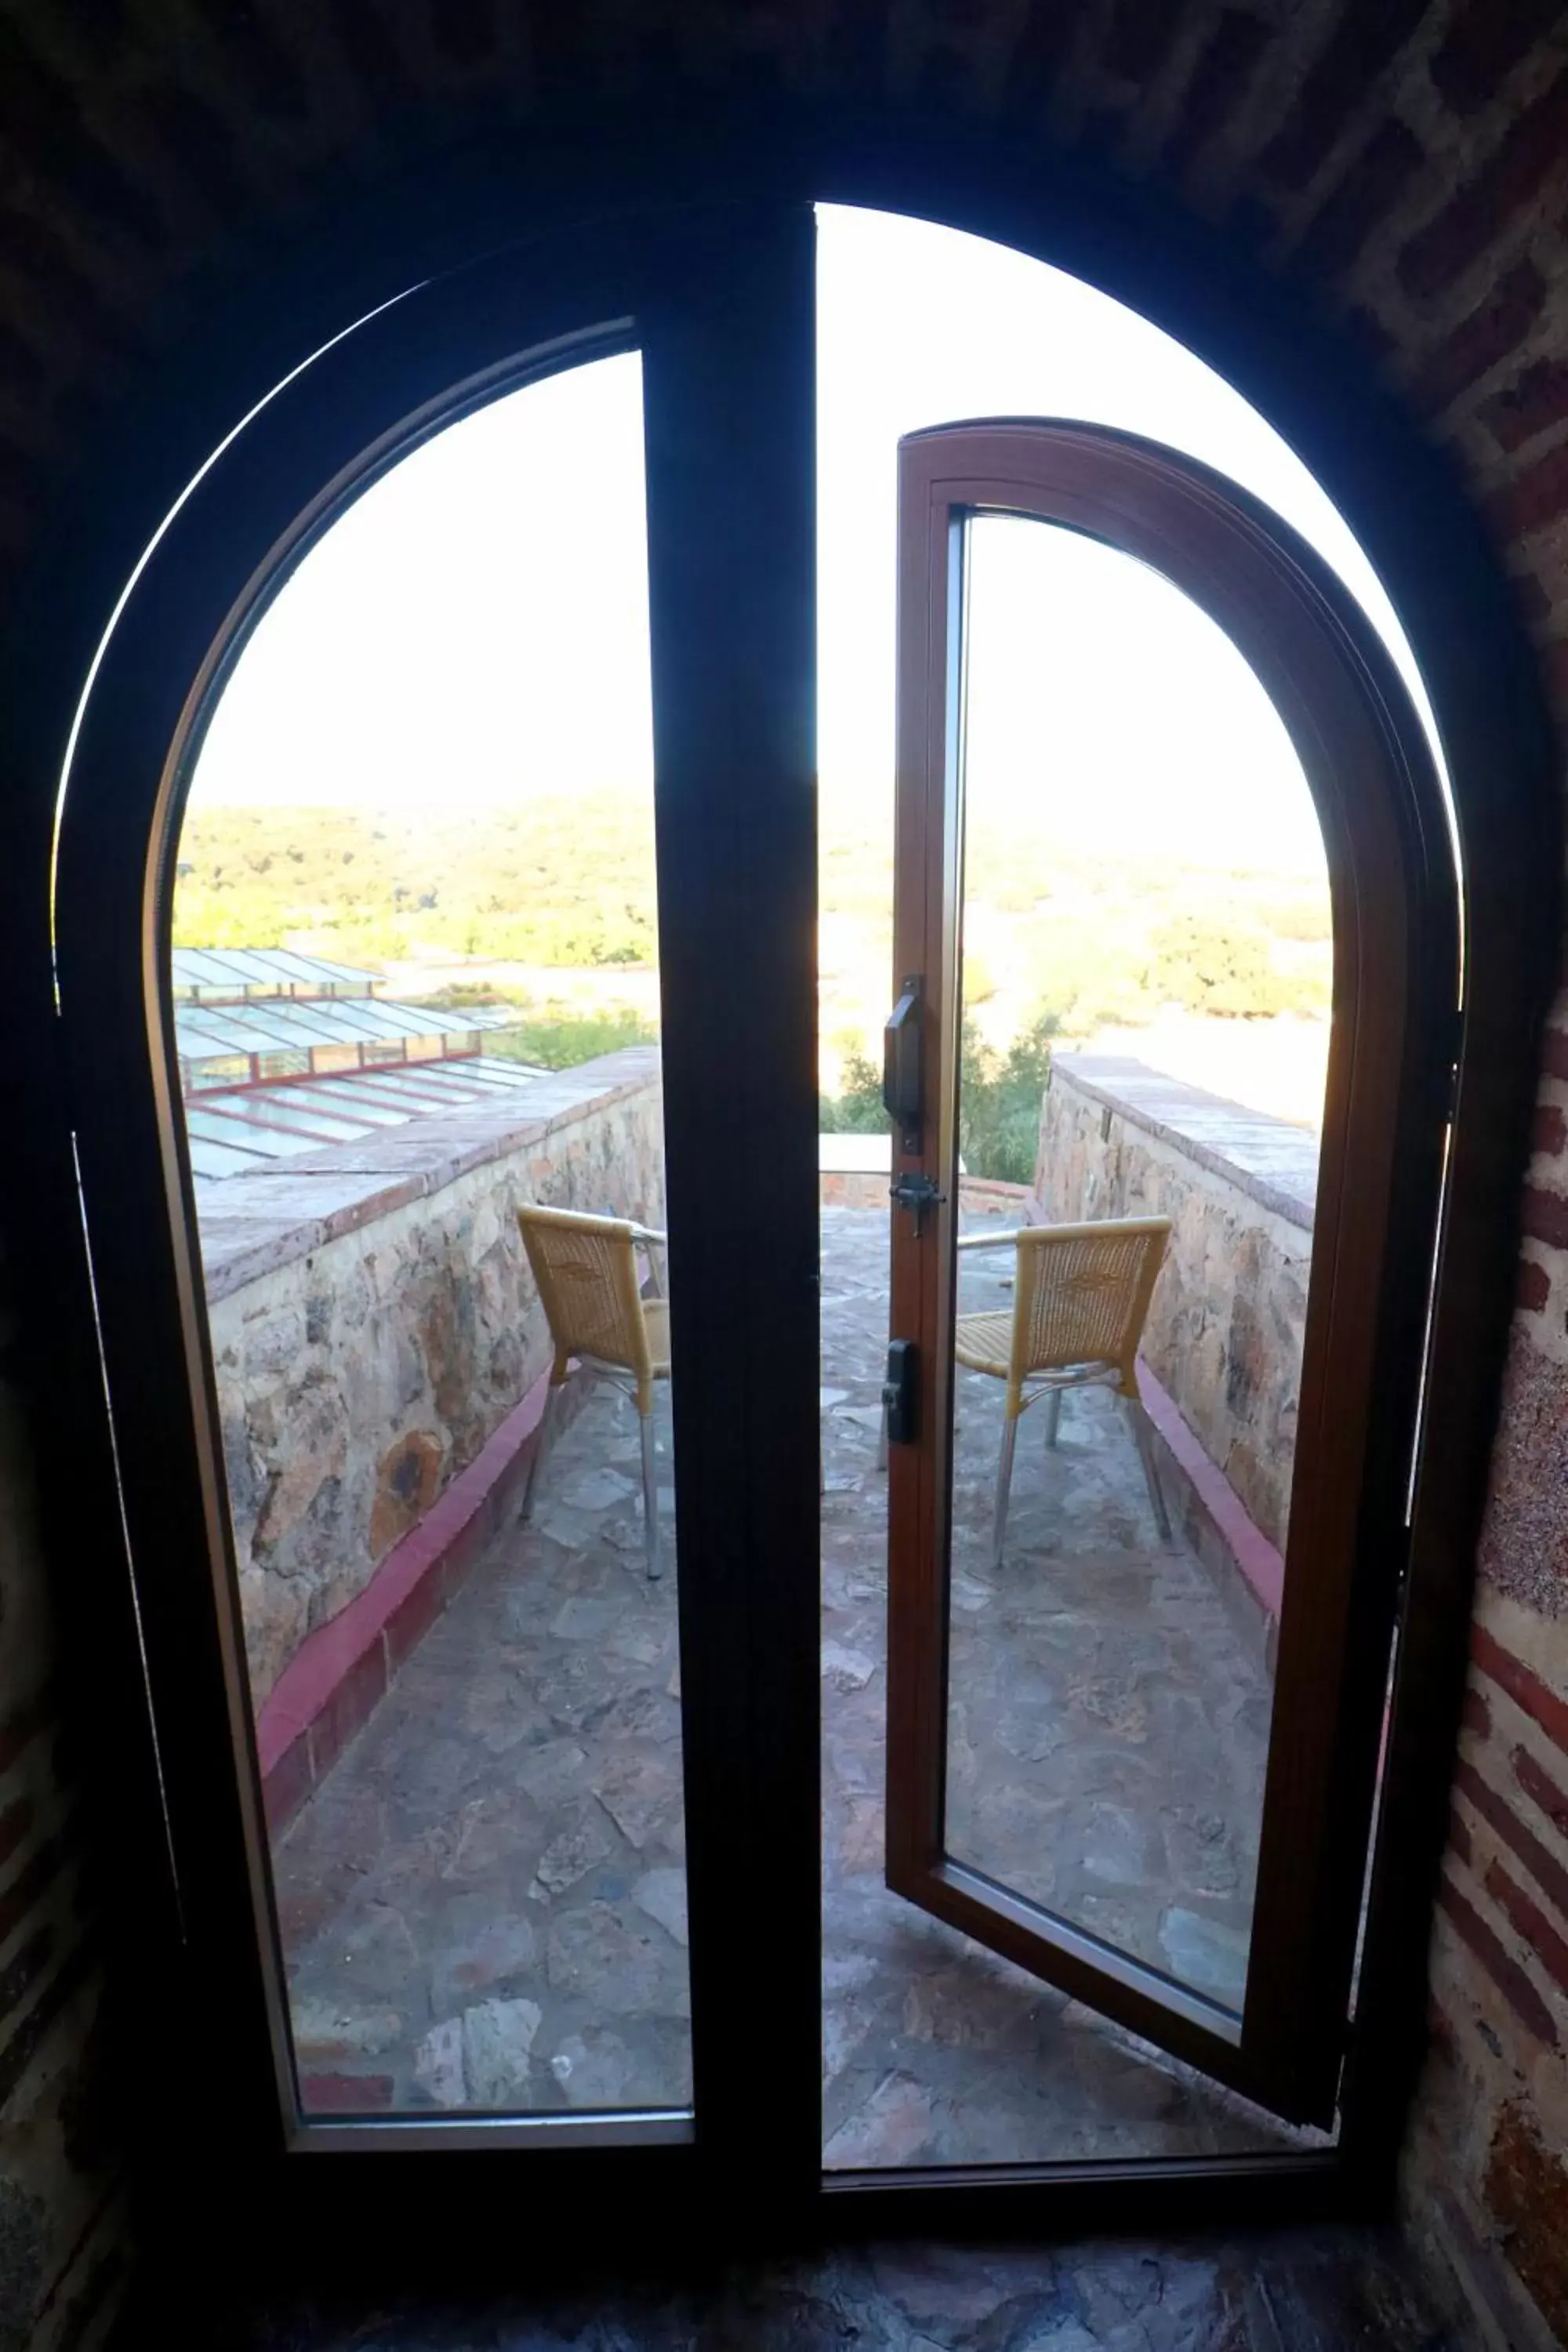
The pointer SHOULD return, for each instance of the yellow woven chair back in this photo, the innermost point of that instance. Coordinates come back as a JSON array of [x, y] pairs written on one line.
[[586, 1269], [1082, 1296]]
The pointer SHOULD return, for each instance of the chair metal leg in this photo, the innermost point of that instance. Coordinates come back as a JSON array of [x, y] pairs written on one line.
[[1004, 1487], [541, 1447], [1143, 1436], [1053, 1417], [650, 1496]]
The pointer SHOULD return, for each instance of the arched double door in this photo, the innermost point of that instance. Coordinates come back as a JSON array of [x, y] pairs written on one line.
[[709, 1816]]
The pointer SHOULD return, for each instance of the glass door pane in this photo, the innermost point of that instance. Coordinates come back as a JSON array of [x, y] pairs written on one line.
[[415, 978], [1145, 968]]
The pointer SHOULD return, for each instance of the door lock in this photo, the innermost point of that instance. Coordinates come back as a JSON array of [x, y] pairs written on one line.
[[917, 1194], [900, 1393]]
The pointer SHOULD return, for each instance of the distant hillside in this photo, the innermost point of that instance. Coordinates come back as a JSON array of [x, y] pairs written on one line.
[[563, 882], [567, 885]]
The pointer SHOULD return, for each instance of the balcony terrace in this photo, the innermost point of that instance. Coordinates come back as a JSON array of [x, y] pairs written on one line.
[[470, 1727]]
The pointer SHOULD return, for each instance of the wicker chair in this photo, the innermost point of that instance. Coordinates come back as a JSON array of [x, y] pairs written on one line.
[[1080, 1305], [586, 1269]]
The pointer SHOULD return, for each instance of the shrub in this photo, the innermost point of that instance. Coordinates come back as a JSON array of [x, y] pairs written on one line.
[[559, 1041], [998, 1101]]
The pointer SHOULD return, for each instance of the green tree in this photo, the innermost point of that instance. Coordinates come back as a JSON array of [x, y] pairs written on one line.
[[999, 1098], [1213, 967], [857, 1108]]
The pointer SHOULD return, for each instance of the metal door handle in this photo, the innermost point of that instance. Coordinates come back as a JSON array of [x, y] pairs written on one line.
[[904, 1070]]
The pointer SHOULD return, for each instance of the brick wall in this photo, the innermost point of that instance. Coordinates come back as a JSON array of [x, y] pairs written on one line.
[[1406, 163], [61, 2260]]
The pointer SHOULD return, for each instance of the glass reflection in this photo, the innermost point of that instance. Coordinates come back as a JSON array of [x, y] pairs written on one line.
[[415, 980], [1146, 948]]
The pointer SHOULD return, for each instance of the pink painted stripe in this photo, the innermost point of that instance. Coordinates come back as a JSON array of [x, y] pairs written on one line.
[[1260, 1562], [326, 1657]]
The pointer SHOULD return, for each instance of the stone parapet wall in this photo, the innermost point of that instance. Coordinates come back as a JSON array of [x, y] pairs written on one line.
[[1225, 1327], [373, 1319]]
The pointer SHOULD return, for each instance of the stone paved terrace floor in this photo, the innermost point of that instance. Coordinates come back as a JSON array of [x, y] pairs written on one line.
[[1317, 2290], [484, 1906]]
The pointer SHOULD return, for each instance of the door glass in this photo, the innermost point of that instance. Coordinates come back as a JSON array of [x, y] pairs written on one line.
[[1145, 980], [415, 996]]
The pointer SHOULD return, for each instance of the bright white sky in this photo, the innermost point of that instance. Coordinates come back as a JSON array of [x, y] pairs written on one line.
[[475, 627]]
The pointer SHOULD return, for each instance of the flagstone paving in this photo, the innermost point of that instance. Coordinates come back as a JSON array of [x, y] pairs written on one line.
[[484, 1907], [1317, 2290]]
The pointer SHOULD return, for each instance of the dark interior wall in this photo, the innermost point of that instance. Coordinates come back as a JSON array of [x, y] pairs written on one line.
[[62, 2253], [1405, 165]]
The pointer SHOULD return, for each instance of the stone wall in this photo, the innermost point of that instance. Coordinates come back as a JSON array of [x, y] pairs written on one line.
[[1225, 1326], [373, 1319]]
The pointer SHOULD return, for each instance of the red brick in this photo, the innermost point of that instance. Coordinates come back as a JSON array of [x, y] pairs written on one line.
[[345, 2095], [1476, 1715], [1485, 43], [1533, 402], [1504, 1970], [1380, 174], [466, 30], [1550, 1129], [1498, 325], [269, 77], [39, 1873], [1539, 1785], [349, 1709], [416, 1614], [1543, 1866], [371, 47], [1532, 148], [1459, 1837], [1530, 595], [1554, 1054], [14, 1823], [1526, 2195], [1524, 1686], [199, 148], [20, 1726], [1139, 36], [1222, 72], [1532, 1288], [1546, 1216], [1036, 64], [23, 1968], [285, 1789], [1528, 1920], [1536, 496], [1362, 42]]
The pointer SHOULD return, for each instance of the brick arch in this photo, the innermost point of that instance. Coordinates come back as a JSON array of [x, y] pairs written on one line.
[[1408, 163], [1398, 170]]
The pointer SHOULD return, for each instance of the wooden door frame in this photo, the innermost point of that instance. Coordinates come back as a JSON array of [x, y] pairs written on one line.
[[1401, 494], [1395, 1045]]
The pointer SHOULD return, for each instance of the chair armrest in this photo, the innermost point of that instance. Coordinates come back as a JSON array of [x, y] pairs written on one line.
[[646, 1234], [991, 1240]]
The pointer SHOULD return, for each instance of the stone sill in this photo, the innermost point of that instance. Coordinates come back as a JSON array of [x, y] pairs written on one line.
[[254, 1223], [1274, 1163]]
